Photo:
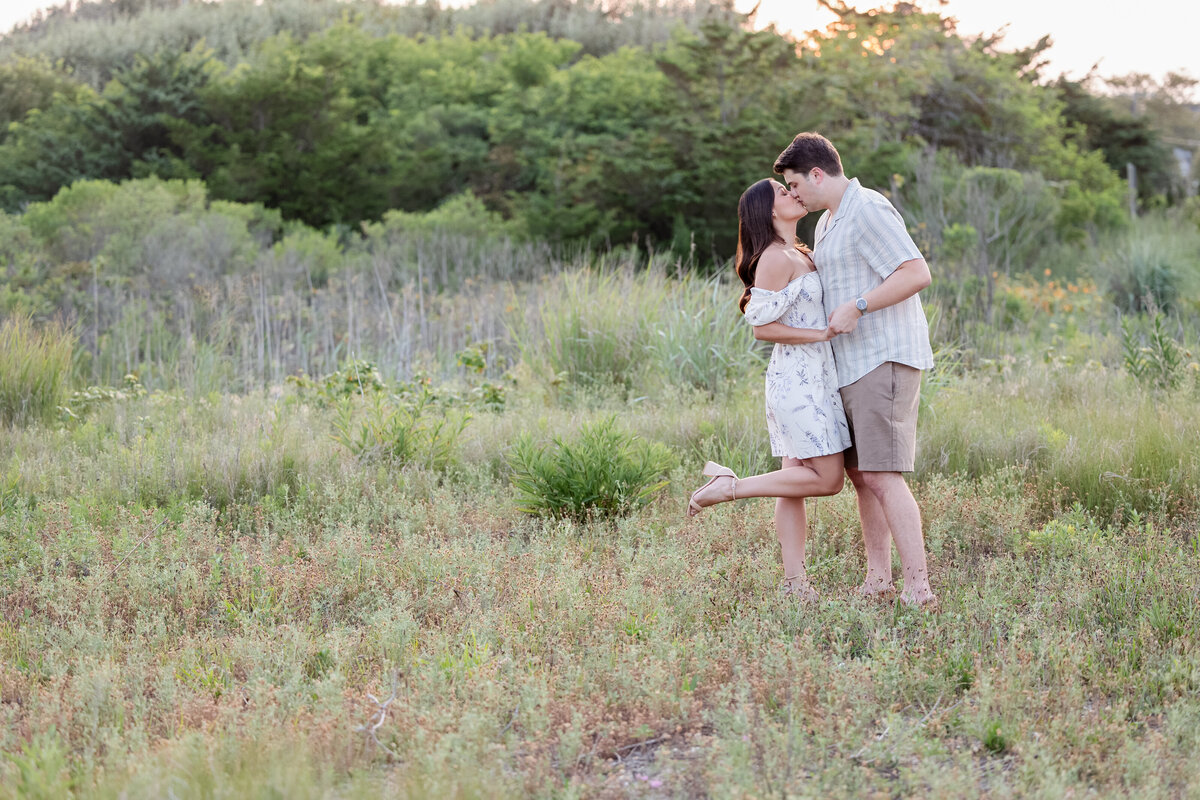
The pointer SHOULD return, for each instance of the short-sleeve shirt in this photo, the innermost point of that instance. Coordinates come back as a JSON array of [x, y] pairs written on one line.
[[856, 248]]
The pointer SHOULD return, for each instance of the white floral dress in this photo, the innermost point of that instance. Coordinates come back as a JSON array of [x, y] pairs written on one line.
[[804, 409]]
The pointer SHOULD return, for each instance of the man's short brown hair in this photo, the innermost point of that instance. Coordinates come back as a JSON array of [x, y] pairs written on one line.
[[809, 150]]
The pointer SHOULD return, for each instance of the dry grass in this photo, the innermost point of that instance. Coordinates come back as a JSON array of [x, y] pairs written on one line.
[[169, 646]]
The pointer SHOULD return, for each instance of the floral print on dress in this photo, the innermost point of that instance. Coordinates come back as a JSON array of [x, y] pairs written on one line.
[[805, 417]]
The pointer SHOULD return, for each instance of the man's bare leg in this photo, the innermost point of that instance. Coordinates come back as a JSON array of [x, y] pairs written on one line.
[[877, 538], [903, 518]]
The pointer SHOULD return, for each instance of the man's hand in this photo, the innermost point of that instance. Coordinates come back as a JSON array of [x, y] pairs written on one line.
[[844, 318]]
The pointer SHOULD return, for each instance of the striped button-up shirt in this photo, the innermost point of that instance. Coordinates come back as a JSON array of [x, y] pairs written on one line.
[[856, 248]]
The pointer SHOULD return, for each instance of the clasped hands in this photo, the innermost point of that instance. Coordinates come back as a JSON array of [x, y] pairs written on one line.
[[844, 319]]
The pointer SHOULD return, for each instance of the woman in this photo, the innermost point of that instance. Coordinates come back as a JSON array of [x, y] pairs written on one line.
[[804, 409]]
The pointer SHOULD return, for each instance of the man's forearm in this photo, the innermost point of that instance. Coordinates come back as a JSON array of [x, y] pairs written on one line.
[[908, 279]]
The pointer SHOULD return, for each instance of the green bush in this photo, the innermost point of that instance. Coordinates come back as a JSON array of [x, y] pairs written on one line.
[[34, 368], [1156, 359], [602, 472]]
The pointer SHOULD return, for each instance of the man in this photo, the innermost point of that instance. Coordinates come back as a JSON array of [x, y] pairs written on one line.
[[871, 272]]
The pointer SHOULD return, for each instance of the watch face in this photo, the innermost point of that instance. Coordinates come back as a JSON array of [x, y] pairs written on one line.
[[861, 304]]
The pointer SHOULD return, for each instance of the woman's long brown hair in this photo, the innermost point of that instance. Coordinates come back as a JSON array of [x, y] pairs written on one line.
[[755, 232]]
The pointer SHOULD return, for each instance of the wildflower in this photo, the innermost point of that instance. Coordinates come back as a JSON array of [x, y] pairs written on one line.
[[1047, 273]]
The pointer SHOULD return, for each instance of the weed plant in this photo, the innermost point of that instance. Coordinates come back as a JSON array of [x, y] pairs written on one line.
[[399, 433], [600, 472]]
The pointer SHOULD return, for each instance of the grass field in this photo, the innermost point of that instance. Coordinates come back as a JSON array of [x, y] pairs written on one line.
[[214, 596]]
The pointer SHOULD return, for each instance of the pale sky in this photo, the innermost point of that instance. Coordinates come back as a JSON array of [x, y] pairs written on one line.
[[1152, 36]]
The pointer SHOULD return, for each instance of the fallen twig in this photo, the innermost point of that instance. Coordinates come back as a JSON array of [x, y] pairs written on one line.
[[511, 720], [379, 715], [136, 545], [635, 745]]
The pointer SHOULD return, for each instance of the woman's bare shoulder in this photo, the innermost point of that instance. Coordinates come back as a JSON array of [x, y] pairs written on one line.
[[776, 269]]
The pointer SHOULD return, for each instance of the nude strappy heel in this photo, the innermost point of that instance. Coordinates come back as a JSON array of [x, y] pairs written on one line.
[[713, 471]]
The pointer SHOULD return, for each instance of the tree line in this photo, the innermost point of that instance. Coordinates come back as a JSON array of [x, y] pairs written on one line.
[[571, 121]]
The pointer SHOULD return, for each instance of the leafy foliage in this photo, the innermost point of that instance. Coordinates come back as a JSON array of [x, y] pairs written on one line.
[[1153, 358], [390, 430], [602, 471], [339, 115]]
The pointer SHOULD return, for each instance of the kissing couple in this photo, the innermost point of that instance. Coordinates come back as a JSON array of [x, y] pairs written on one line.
[[844, 380]]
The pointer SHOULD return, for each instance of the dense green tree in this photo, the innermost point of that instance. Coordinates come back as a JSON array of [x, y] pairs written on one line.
[[336, 113], [28, 83], [125, 131], [1123, 138]]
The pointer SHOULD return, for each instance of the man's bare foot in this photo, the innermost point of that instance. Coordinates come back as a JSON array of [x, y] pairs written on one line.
[[878, 588], [924, 600]]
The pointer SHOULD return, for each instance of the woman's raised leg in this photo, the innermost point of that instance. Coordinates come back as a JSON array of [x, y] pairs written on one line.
[[819, 476]]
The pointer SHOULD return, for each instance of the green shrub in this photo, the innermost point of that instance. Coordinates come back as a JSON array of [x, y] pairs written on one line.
[[1157, 359], [1152, 268], [603, 471], [357, 378], [34, 369]]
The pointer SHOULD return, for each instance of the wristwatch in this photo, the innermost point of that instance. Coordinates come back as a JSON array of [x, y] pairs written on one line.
[[861, 305]]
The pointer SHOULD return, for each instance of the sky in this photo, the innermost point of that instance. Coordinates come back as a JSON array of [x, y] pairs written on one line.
[[1159, 38]]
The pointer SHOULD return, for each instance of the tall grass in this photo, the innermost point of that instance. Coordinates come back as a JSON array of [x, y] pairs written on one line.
[[1155, 266], [1088, 434], [590, 328], [626, 327], [35, 367]]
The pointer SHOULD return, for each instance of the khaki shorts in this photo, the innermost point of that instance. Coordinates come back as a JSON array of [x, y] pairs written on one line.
[[881, 408]]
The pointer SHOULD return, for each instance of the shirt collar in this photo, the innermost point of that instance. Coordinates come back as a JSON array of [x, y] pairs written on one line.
[[848, 200]]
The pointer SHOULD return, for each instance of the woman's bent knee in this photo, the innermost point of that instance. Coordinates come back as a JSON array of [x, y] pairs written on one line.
[[832, 483]]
